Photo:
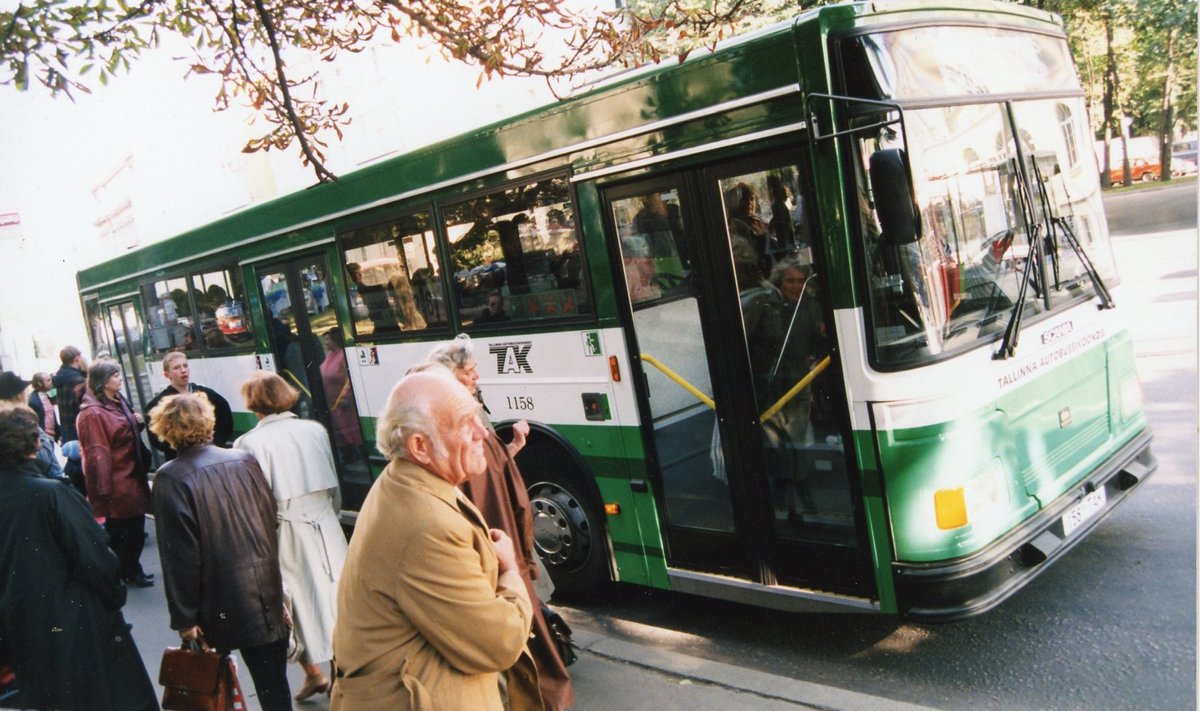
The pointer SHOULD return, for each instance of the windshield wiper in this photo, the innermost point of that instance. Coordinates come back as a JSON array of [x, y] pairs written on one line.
[[1106, 300], [1012, 332]]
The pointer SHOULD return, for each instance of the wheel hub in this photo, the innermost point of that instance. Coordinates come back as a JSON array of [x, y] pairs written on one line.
[[561, 531]]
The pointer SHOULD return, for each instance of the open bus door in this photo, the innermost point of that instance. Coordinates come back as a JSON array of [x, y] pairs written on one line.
[[747, 437], [308, 352]]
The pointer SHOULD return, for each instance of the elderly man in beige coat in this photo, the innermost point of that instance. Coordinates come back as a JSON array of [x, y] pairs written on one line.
[[430, 605]]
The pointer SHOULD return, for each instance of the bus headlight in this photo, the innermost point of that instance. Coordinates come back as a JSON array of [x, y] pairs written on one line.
[[983, 494], [1131, 396]]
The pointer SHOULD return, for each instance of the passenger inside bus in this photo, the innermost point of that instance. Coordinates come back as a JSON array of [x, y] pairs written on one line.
[[377, 299], [493, 312], [741, 209]]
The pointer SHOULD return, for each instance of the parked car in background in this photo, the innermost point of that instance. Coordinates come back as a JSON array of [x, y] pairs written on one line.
[[1185, 150], [1139, 169], [1182, 166]]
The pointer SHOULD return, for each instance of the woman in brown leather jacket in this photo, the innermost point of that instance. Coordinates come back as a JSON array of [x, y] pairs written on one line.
[[215, 518], [115, 463]]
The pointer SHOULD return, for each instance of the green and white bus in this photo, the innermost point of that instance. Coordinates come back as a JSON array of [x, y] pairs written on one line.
[[825, 318]]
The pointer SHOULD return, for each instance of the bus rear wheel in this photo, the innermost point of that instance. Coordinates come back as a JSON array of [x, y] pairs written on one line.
[[568, 534]]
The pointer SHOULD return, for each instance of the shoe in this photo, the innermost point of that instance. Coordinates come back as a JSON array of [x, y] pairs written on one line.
[[313, 685], [140, 581]]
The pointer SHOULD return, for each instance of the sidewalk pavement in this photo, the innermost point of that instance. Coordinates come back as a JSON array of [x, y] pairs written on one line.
[[610, 674]]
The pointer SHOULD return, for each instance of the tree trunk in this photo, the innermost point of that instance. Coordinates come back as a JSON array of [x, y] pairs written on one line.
[[1110, 90], [1167, 110]]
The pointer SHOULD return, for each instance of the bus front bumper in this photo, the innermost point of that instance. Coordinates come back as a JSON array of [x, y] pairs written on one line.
[[951, 590]]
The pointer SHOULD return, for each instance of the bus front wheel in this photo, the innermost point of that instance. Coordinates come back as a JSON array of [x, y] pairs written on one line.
[[568, 534]]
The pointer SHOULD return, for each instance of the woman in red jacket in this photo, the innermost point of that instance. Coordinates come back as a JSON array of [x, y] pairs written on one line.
[[115, 463]]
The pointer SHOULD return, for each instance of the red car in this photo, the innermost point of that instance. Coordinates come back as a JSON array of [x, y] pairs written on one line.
[[1139, 169]]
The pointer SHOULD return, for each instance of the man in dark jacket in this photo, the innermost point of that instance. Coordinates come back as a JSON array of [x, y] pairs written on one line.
[[70, 383], [215, 518], [177, 370], [61, 595]]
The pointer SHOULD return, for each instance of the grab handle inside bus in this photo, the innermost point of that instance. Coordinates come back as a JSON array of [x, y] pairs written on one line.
[[895, 202]]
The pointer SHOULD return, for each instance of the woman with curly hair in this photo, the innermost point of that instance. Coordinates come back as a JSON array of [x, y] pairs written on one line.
[[215, 519]]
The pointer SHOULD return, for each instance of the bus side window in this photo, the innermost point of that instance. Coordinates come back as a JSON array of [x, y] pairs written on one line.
[[393, 276], [221, 309], [168, 308], [516, 255]]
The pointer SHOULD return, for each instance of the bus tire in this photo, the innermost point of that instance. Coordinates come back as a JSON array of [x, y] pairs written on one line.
[[568, 525]]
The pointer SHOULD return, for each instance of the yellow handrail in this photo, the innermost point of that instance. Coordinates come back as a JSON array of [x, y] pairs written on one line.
[[299, 384], [676, 377], [787, 397]]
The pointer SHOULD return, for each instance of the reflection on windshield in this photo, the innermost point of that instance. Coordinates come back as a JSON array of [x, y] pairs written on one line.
[[953, 60], [961, 281]]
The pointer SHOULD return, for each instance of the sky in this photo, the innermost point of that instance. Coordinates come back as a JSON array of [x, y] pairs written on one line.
[[54, 152]]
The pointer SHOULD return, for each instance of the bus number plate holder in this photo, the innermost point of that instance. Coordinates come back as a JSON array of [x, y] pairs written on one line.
[[1082, 511]]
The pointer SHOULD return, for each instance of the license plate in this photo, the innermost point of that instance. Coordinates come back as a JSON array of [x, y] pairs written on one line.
[[1083, 510]]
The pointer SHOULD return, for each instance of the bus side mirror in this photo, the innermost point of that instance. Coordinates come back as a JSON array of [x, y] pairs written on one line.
[[891, 186]]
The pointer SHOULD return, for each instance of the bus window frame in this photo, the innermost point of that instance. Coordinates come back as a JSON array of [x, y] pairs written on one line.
[[234, 268], [466, 195], [368, 220]]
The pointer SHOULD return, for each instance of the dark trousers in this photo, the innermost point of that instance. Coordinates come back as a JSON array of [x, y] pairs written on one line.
[[127, 537], [267, 665]]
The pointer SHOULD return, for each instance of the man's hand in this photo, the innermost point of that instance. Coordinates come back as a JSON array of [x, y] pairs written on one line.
[[506, 556]]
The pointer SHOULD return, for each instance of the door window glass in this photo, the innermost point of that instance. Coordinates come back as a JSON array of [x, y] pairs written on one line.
[[289, 348], [169, 312], [653, 249], [126, 330], [791, 358], [655, 254], [97, 329], [516, 255], [221, 308], [394, 277]]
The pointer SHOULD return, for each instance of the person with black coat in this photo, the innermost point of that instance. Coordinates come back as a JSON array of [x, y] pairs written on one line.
[[70, 385], [61, 627], [179, 373]]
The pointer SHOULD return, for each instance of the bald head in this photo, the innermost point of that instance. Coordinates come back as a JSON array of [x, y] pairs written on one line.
[[432, 420]]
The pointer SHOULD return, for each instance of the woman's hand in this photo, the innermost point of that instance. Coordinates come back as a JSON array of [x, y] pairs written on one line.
[[192, 634], [520, 432]]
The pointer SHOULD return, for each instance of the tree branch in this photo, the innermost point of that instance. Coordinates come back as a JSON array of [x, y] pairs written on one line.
[[323, 174]]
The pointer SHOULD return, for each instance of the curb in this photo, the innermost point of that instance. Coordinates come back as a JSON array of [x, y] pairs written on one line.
[[770, 686]]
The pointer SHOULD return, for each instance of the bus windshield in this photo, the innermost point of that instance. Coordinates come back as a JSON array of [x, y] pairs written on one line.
[[998, 182]]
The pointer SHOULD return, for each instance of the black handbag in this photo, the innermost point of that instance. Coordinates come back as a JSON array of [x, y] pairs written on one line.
[[560, 632]]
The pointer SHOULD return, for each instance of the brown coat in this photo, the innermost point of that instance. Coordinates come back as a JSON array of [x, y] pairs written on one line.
[[501, 496], [425, 620], [115, 461], [215, 519]]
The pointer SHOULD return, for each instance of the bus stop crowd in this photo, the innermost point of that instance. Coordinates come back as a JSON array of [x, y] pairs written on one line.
[[431, 604]]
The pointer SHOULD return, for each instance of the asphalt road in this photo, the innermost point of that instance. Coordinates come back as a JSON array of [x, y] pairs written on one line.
[[1111, 626]]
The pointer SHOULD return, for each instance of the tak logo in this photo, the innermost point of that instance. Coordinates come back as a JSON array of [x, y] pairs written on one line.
[[512, 357]]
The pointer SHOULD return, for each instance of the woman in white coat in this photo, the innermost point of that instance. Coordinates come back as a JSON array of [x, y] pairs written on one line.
[[297, 460]]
